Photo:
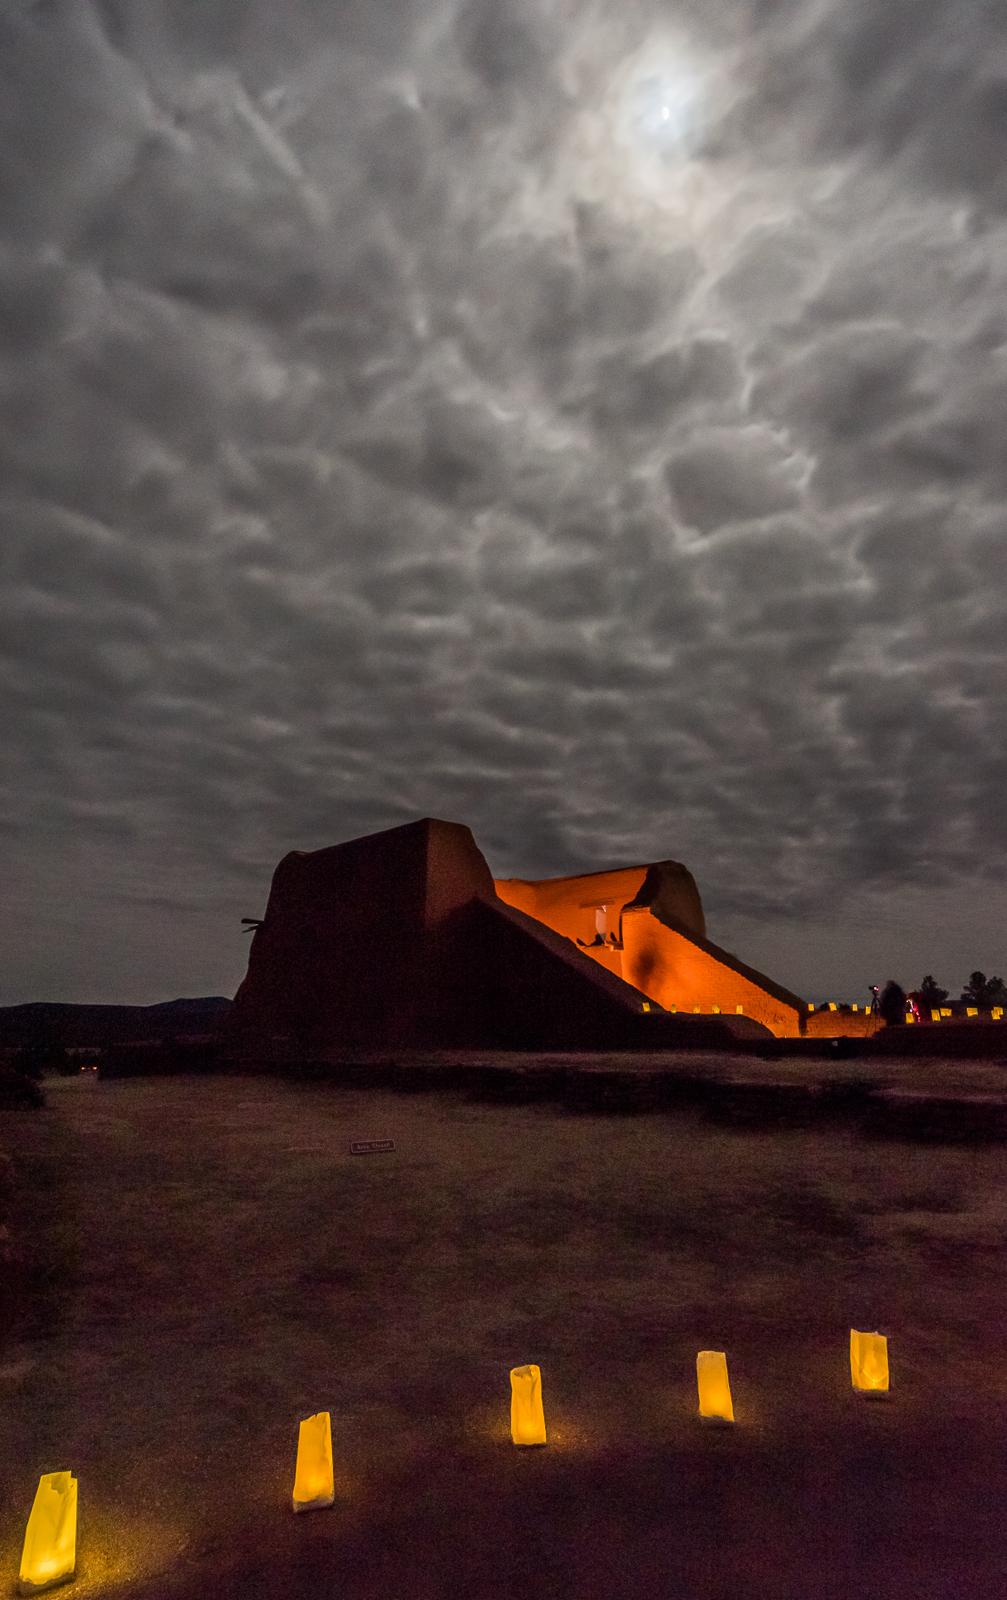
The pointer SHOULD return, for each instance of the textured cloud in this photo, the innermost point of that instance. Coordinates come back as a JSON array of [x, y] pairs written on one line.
[[583, 421]]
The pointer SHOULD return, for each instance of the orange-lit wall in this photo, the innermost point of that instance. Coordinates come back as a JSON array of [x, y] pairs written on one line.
[[665, 965], [681, 976], [569, 906], [842, 1024]]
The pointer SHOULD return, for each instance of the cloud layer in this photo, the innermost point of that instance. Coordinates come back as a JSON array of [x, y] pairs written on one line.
[[582, 421]]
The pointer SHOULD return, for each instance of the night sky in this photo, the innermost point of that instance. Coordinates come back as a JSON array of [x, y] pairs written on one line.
[[586, 422]]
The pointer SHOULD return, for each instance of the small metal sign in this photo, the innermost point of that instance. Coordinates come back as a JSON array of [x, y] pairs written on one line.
[[367, 1147]]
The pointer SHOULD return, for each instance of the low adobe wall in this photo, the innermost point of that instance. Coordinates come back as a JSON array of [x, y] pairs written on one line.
[[838, 1024]]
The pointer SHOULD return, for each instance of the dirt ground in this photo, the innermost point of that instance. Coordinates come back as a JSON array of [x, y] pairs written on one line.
[[212, 1265]]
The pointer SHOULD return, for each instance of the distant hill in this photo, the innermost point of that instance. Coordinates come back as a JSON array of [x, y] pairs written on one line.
[[42, 1024]]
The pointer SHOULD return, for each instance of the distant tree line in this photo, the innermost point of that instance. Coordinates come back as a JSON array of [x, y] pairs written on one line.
[[982, 992]]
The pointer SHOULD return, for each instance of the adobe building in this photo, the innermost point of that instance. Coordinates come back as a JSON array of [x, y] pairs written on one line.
[[401, 939]]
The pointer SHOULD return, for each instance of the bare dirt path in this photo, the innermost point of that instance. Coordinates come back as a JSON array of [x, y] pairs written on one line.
[[223, 1267]]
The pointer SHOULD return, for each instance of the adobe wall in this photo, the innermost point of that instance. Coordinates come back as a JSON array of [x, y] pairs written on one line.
[[843, 1024], [654, 937], [343, 949], [569, 906], [508, 981], [589, 908], [685, 974]]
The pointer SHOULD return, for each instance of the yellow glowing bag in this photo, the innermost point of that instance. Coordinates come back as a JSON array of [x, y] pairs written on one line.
[[527, 1419], [50, 1543], [714, 1388], [869, 1363], [313, 1480]]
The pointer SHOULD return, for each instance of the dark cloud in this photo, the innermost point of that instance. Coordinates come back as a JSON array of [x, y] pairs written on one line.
[[401, 414], [738, 475], [505, 44], [850, 385], [648, 393]]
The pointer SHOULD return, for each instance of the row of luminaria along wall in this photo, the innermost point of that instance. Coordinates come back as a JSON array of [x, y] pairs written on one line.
[[645, 924]]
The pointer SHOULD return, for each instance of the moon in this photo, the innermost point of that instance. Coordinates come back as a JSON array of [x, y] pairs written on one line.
[[665, 113], [664, 108]]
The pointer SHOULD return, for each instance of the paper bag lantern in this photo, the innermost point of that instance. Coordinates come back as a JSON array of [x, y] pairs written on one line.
[[714, 1389], [313, 1485], [869, 1362], [527, 1419], [50, 1543]]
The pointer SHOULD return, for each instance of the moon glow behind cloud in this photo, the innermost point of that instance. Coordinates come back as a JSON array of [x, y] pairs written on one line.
[[663, 108]]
